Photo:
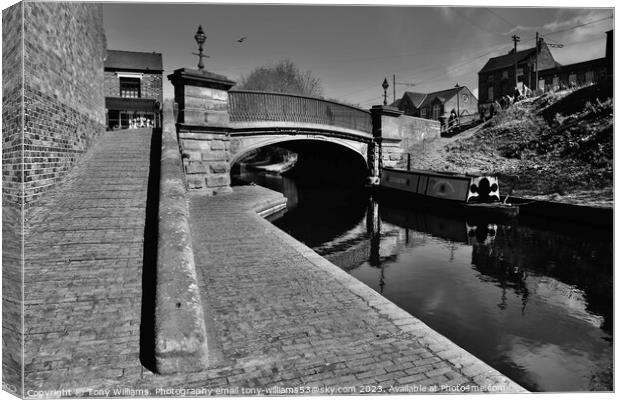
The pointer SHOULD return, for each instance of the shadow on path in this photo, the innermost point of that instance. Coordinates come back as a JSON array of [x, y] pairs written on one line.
[[149, 260]]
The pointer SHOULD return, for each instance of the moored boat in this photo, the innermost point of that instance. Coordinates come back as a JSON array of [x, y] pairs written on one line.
[[477, 194]]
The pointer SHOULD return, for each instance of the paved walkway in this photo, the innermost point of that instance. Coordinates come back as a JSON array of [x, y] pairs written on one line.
[[83, 269], [285, 316], [277, 314]]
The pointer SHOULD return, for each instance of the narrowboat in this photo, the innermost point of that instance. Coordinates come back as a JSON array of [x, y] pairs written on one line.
[[475, 194]]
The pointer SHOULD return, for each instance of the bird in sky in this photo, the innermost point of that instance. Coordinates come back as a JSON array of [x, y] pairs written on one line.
[[242, 39]]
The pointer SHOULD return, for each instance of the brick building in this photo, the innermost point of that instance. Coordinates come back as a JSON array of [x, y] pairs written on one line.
[[581, 73], [439, 105], [133, 88], [497, 77]]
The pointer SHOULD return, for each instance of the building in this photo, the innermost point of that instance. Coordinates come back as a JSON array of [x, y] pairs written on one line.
[[497, 78], [439, 105], [579, 74], [133, 88]]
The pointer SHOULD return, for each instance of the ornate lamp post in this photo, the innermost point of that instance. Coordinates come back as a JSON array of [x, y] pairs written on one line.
[[385, 85], [200, 38]]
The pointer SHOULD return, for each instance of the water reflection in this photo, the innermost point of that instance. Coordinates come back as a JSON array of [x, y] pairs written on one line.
[[535, 303]]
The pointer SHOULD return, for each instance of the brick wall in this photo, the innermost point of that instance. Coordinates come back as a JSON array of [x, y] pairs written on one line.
[[111, 84], [151, 87], [12, 105], [64, 48], [53, 109], [12, 222]]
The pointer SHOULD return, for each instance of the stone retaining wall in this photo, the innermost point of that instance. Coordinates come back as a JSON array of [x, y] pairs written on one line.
[[406, 134]]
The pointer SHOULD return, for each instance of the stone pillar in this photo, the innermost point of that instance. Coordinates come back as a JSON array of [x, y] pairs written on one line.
[[386, 143], [203, 128]]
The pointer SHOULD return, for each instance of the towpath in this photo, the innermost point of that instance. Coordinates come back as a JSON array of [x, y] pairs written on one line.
[[283, 315]]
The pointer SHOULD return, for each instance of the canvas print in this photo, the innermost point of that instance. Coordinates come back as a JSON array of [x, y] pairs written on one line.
[[267, 199]]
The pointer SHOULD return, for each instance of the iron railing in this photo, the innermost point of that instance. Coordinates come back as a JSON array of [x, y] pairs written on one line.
[[247, 106]]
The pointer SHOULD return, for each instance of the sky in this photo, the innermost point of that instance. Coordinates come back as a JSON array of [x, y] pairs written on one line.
[[353, 48]]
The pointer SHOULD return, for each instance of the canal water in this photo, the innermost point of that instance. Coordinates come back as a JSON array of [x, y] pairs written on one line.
[[533, 301]]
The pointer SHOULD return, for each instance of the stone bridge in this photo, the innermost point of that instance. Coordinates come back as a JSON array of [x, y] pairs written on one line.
[[217, 126], [259, 119]]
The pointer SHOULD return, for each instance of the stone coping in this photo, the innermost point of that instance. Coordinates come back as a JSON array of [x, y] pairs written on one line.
[[180, 334]]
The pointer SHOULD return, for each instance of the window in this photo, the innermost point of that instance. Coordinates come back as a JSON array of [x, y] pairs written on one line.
[[130, 87], [589, 76], [505, 74], [423, 112], [436, 111], [519, 71], [490, 93], [490, 77]]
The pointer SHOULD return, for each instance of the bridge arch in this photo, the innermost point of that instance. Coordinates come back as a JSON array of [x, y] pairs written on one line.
[[240, 146]]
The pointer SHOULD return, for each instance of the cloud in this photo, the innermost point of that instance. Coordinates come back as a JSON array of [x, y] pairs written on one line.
[[565, 22], [447, 13]]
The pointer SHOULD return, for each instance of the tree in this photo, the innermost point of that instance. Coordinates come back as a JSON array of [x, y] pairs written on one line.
[[283, 77]]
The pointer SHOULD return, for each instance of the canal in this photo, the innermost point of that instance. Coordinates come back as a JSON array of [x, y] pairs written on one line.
[[533, 301]]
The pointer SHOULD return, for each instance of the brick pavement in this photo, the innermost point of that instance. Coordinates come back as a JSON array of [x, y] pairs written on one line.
[[281, 310], [277, 313], [83, 265]]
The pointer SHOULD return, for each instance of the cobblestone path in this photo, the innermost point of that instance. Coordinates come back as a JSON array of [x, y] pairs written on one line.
[[283, 315], [83, 269]]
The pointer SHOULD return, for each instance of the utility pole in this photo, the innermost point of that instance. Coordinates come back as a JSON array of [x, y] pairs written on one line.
[[458, 108], [516, 39], [394, 83], [537, 51], [393, 88]]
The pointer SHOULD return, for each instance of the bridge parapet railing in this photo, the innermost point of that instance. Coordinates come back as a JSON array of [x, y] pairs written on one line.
[[246, 106]]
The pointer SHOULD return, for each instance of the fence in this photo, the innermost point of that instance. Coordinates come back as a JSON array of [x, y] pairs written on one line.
[[466, 121], [245, 106]]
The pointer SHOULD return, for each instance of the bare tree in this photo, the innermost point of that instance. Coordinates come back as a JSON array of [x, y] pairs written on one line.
[[283, 77]]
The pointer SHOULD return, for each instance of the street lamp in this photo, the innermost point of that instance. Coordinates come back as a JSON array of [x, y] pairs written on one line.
[[200, 38], [458, 111], [385, 85]]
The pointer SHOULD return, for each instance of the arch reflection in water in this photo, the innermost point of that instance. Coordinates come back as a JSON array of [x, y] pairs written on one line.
[[535, 303]]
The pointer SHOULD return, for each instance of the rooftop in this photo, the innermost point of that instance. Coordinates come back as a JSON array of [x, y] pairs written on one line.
[[423, 99], [507, 60], [443, 95], [415, 98]]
